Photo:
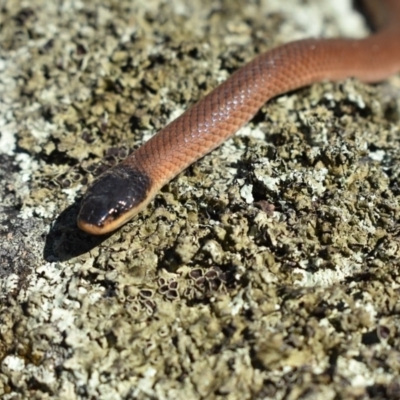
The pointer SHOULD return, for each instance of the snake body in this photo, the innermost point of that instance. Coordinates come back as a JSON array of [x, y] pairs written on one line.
[[124, 190]]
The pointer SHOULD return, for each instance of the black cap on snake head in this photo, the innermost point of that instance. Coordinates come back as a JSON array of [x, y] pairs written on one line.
[[113, 198]]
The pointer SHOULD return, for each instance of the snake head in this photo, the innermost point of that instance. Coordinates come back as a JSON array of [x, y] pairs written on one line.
[[113, 199]]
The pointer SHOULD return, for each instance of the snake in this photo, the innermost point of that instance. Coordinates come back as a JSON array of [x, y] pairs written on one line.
[[124, 190]]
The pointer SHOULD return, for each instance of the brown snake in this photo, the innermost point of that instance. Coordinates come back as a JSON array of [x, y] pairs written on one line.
[[124, 190]]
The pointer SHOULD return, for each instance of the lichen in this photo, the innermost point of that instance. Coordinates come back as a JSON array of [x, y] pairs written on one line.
[[269, 269]]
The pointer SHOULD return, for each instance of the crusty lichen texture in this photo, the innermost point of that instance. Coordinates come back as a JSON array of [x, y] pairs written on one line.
[[267, 270]]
